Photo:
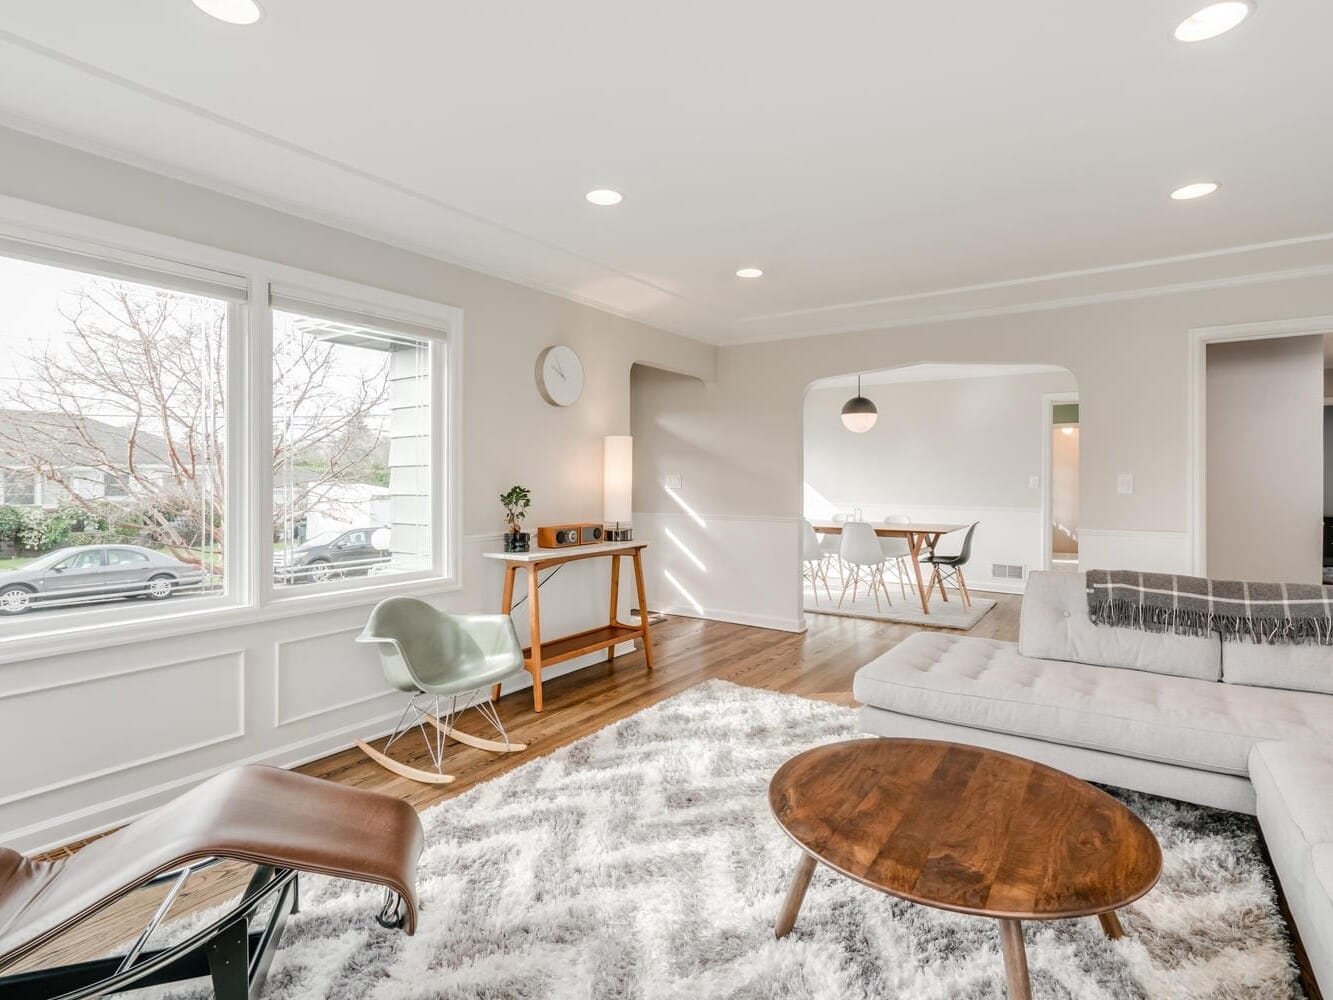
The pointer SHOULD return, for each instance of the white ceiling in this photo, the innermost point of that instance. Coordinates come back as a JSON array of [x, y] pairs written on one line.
[[882, 161]]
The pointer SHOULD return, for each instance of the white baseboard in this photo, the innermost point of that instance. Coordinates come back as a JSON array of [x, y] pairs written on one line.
[[733, 617]]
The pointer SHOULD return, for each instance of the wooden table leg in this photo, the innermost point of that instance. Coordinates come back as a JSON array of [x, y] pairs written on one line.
[[643, 609], [1015, 960], [1111, 924], [506, 606], [615, 603], [791, 906], [535, 627], [915, 540]]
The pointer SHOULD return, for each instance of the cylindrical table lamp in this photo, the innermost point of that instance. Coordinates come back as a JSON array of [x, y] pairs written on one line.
[[618, 488]]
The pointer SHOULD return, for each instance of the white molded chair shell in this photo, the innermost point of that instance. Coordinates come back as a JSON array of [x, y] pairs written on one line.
[[895, 548], [860, 544], [810, 547], [424, 649]]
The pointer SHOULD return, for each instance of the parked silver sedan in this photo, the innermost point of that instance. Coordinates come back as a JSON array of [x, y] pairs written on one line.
[[84, 573]]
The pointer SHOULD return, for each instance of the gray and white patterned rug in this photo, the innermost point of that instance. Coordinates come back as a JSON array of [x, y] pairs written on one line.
[[642, 862]]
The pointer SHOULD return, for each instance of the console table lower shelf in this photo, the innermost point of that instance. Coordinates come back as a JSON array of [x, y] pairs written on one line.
[[548, 652]]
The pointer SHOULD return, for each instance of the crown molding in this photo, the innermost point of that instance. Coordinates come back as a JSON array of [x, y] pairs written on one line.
[[1099, 298]]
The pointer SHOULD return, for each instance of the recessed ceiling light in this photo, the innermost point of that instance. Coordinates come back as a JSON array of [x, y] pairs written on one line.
[[605, 197], [231, 11], [1191, 191], [1215, 19], [749, 272]]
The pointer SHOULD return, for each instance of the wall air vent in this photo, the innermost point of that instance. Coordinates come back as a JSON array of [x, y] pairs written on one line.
[[1001, 571]]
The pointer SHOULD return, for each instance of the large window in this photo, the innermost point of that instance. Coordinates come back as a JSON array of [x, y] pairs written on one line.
[[167, 450], [113, 400], [352, 432]]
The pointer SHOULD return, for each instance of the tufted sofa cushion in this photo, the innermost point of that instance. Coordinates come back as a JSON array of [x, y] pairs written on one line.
[[1055, 626], [986, 684]]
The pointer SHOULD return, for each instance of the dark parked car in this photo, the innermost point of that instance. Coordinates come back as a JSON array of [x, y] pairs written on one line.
[[333, 553], [90, 572]]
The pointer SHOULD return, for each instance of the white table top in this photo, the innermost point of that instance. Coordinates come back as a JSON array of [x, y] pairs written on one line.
[[541, 555]]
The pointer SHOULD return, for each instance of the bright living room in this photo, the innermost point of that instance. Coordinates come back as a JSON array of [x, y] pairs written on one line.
[[278, 333]]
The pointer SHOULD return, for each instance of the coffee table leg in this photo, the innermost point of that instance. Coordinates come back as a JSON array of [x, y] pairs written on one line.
[[795, 896], [1015, 960], [1111, 924]]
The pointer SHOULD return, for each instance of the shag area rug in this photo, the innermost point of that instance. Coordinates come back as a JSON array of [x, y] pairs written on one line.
[[643, 862]]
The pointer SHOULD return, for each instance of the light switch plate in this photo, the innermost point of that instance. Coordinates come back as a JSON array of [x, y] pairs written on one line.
[[1034, 482], [672, 481], [1124, 483]]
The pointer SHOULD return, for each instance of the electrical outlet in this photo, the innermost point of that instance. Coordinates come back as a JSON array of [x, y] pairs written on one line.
[[1034, 482], [1124, 483], [672, 481]]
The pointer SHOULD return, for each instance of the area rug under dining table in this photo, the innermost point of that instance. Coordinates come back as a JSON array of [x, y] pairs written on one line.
[[643, 862]]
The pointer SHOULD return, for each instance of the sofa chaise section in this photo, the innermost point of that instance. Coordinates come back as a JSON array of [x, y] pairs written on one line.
[[1169, 735], [1293, 782]]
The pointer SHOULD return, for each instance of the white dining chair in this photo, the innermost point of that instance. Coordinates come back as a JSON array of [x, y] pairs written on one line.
[[863, 561], [814, 562], [830, 545], [898, 554]]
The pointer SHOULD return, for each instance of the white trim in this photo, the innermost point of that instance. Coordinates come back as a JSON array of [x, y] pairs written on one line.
[[1048, 402], [249, 596], [99, 636], [1196, 520], [986, 286], [733, 617], [1071, 302]]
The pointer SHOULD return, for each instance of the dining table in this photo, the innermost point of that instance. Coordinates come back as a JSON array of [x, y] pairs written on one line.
[[918, 535]]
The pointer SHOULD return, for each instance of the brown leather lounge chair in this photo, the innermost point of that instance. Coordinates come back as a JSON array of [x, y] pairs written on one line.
[[281, 822]]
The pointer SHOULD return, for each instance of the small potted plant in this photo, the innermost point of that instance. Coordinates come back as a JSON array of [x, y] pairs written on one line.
[[516, 503]]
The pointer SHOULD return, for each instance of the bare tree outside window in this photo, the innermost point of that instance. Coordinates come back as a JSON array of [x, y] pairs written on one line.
[[351, 438]]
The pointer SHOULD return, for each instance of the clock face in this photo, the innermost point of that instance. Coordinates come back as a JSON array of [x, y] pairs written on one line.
[[559, 375]]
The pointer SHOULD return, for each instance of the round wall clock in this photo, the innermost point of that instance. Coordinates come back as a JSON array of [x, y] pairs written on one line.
[[559, 375]]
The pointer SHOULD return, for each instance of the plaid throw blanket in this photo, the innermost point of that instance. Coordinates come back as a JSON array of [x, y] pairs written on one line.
[[1293, 613]]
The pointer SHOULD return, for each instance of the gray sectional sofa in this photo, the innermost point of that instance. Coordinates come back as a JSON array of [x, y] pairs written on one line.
[[1235, 725]]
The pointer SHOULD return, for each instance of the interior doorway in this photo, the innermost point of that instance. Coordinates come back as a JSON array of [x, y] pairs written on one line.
[[1060, 509]]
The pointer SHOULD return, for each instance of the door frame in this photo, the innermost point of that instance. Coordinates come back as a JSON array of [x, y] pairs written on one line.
[[1048, 404], [1196, 483]]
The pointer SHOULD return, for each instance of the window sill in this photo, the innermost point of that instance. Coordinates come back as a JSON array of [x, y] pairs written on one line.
[[103, 634]]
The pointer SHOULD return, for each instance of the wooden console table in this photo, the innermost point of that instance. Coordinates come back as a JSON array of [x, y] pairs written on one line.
[[548, 652]]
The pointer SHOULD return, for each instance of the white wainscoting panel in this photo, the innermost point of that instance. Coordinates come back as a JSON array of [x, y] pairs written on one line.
[[129, 727], [69, 715], [735, 569], [317, 674], [1153, 551]]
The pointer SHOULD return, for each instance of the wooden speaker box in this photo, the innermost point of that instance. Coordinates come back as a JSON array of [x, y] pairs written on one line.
[[562, 536]]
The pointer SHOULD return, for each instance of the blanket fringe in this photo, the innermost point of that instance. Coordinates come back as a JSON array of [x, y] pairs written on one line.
[[1191, 622]]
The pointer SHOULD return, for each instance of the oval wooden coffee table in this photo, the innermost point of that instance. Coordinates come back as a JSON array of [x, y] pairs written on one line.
[[965, 829]]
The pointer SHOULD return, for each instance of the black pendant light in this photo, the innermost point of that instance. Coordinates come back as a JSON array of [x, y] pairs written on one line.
[[858, 413]]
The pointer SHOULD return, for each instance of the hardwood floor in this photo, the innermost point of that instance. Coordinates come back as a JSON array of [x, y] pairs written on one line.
[[818, 663]]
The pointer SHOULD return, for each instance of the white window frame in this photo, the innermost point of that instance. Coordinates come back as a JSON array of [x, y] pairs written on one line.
[[250, 596], [379, 313]]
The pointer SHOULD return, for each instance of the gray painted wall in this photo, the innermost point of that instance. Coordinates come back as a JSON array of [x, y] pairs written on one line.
[[1265, 496]]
